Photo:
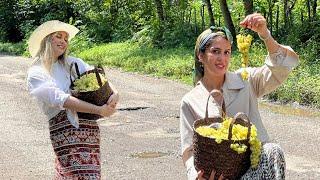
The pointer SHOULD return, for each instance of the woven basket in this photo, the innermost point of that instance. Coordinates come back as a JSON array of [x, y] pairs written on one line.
[[98, 97], [209, 155]]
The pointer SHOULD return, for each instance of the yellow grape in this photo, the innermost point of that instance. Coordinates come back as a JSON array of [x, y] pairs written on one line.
[[239, 132], [88, 82], [244, 43], [244, 74]]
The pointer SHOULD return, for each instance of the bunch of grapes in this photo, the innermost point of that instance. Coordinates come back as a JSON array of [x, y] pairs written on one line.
[[239, 132], [88, 82], [244, 43]]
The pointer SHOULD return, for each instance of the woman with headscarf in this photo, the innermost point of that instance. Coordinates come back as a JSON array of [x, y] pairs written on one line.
[[212, 57], [75, 141]]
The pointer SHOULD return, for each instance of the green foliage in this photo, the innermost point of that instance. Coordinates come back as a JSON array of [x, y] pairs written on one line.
[[301, 87], [172, 63], [14, 49], [80, 42]]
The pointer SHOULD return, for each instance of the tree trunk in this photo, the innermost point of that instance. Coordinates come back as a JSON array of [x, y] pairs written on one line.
[[248, 6], [210, 12], [285, 13], [277, 20], [159, 7], [195, 21], [190, 16], [270, 5], [202, 17], [309, 10], [290, 12], [314, 9], [227, 17]]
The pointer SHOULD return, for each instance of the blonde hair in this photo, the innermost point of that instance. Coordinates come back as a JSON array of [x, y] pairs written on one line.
[[45, 55]]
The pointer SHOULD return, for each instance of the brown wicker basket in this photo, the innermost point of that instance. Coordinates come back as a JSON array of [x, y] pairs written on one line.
[[209, 155], [98, 97]]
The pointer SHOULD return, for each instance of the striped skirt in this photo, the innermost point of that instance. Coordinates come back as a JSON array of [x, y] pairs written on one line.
[[271, 166], [77, 150]]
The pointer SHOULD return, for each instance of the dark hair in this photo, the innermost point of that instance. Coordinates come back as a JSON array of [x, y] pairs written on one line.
[[204, 40]]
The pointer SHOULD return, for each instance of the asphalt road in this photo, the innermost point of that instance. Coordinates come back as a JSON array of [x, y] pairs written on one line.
[[141, 141]]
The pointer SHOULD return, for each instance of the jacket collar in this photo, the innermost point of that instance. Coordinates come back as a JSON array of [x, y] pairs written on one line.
[[233, 81]]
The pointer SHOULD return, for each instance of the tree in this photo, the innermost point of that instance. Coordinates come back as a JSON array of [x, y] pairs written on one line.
[[309, 9], [287, 12], [227, 17], [270, 12], [248, 6], [9, 26], [210, 12], [314, 9], [159, 8]]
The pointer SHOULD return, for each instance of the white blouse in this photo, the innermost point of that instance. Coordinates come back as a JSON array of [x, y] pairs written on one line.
[[52, 90]]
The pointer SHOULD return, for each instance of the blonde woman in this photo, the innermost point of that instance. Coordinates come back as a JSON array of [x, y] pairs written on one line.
[[212, 57], [76, 142]]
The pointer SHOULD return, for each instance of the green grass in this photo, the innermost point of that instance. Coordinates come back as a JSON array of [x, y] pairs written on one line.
[[172, 63], [302, 86]]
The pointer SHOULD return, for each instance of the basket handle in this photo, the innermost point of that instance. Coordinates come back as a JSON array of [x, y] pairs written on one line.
[[77, 71], [98, 76], [240, 117], [96, 71], [218, 98]]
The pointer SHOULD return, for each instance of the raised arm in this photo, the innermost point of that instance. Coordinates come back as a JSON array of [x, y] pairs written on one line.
[[257, 23], [279, 62]]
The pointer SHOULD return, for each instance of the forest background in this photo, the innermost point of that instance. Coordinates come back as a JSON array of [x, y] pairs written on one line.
[[157, 36]]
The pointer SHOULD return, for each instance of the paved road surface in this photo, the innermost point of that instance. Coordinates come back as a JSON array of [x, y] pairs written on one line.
[[141, 142]]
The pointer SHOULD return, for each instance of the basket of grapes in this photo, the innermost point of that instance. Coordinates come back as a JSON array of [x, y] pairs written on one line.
[[227, 145], [93, 87]]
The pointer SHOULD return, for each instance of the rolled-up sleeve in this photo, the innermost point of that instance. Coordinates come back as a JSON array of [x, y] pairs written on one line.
[[186, 123], [43, 87], [276, 70]]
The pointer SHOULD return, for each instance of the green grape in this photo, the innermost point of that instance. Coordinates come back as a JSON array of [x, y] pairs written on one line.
[[88, 82]]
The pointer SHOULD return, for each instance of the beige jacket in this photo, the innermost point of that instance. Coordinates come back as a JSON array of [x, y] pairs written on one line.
[[239, 95]]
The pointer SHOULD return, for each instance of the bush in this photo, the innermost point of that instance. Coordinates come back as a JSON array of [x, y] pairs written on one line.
[[13, 49]]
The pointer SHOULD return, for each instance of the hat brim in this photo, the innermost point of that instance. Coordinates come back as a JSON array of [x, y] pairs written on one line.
[[47, 28]]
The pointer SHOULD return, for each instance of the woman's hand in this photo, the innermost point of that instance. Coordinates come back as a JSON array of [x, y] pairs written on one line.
[[113, 100], [257, 23], [106, 110], [110, 108], [213, 173]]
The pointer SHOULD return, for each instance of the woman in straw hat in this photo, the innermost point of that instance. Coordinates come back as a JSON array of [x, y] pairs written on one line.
[[76, 142], [212, 56]]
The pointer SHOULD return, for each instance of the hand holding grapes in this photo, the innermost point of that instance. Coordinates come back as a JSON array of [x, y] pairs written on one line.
[[257, 23]]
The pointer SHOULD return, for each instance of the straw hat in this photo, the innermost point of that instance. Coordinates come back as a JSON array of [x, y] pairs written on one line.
[[44, 30]]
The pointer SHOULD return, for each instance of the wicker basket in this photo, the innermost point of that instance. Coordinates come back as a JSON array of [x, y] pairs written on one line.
[[209, 155], [98, 97]]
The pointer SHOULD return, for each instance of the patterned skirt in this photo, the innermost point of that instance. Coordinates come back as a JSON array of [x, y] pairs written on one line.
[[77, 150], [271, 166]]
